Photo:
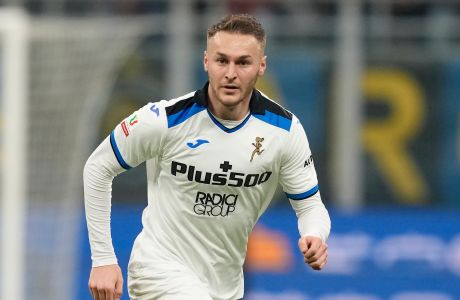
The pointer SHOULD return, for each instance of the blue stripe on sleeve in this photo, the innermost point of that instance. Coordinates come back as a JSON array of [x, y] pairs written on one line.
[[305, 195], [115, 149]]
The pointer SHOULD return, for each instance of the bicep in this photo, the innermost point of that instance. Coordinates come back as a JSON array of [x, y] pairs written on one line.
[[297, 174]]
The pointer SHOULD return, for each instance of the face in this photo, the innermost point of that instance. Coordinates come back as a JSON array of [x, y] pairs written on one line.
[[233, 62]]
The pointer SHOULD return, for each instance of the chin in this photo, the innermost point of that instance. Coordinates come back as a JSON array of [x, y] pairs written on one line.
[[230, 100]]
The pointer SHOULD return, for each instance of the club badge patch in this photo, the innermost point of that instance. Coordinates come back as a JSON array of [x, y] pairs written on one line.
[[258, 145]]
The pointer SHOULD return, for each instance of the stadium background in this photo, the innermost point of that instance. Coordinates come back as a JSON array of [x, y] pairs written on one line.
[[395, 208]]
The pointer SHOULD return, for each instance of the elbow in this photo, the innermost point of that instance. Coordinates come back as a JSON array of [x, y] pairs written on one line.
[[88, 169], [94, 174]]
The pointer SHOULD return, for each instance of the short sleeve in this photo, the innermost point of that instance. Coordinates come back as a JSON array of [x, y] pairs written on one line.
[[298, 174], [139, 136]]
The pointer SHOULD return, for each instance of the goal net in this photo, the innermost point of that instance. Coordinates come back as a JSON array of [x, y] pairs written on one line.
[[70, 71]]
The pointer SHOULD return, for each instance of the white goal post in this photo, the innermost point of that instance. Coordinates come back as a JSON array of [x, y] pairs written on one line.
[[13, 124]]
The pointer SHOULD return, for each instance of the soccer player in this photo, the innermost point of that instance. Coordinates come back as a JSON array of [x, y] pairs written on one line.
[[214, 158]]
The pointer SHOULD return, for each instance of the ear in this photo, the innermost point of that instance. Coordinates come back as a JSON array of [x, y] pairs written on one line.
[[263, 66], [205, 61]]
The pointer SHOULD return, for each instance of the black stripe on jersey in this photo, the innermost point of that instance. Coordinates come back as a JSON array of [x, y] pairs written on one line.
[[258, 104], [179, 106], [182, 110], [262, 104]]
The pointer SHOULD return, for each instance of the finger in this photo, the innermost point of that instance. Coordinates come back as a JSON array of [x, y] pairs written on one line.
[[101, 294], [95, 294], [91, 291], [118, 288], [306, 242], [323, 264], [303, 245], [320, 252], [110, 293], [317, 266], [319, 263], [313, 248], [315, 256]]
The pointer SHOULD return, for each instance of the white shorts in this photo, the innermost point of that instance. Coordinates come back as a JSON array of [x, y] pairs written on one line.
[[165, 285]]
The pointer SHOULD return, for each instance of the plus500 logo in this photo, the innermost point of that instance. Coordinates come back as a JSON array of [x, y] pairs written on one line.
[[228, 178]]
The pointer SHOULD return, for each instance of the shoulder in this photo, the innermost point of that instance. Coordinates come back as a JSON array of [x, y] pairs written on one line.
[[178, 104], [272, 106], [271, 112], [169, 107], [180, 109]]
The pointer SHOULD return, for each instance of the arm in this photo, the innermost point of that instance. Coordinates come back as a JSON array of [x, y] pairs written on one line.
[[106, 281], [134, 140], [300, 183], [314, 227]]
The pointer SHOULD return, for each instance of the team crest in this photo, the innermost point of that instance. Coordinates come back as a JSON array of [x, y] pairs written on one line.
[[258, 145]]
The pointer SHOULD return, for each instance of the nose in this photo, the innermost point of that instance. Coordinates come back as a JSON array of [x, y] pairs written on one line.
[[231, 72]]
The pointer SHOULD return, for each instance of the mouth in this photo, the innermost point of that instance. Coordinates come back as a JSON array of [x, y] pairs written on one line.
[[230, 87]]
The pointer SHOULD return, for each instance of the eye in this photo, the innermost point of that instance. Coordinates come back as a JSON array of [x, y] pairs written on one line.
[[221, 60], [244, 63]]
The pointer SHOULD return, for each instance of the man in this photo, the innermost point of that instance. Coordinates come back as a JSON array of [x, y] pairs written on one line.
[[214, 158]]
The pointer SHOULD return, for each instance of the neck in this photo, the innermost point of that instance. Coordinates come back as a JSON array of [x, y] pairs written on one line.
[[235, 112]]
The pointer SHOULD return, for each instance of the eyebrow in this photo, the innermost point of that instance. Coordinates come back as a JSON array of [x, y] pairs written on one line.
[[239, 58]]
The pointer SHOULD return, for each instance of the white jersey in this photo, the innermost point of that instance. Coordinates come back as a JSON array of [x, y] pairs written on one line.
[[208, 184]]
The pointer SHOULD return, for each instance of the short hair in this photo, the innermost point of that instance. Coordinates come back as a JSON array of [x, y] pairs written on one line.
[[239, 23]]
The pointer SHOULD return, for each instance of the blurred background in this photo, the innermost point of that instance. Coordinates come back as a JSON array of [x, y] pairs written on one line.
[[376, 84]]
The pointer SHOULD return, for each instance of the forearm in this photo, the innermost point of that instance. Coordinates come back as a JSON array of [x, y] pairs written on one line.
[[313, 218], [98, 174]]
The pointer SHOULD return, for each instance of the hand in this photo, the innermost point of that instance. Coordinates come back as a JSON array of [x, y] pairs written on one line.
[[106, 282], [314, 251]]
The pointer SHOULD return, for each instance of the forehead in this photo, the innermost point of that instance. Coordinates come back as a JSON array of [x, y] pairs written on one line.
[[234, 44]]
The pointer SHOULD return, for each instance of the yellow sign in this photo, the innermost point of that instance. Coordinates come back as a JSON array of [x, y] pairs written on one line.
[[387, 140]]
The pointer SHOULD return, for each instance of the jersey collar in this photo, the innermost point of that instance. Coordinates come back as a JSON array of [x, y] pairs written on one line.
[[201, 97]]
